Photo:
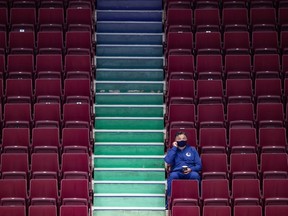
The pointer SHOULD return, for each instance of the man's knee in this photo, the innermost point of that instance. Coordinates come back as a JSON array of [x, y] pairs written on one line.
[[173, 175], [194, 175]]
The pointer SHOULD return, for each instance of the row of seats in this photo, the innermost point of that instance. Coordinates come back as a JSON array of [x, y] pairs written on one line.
[[228, 19], [46, 19], [34, 210], [46, 140], [76, 42], [46, 166], [280, 210], [236, 140], [263, 42], [231, 66]]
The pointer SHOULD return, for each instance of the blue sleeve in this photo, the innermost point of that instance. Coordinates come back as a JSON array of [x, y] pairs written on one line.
[[169, 158], [197, 165]]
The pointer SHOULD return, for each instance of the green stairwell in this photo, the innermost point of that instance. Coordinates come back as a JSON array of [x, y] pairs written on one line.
[[129, 174]]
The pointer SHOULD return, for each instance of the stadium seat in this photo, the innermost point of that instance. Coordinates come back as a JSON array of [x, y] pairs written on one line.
[[23, 19], [239, 91], [275, 192], [181, 112], [12, 210], [20, 66], [14, 166], [210, 91], [248, 210], [263, 19], [278, 169], [280, 210], [51, 19], [77, 115], [21, 42], [211, 115], [77, 91], [79, 42], [238, 66], [283, 19], [272, 140], [45, 140], [179, 43], [236, 42], [247, 170], [212, 140], [209, 66], [179, 89], [4, 19], [44, 192], [268, 90], [47, 115], [216, 210], [19, 91], [180, 63], [179, 20], [212, 170], [48, 90], [13, 192], [73, 210], [47, 46], [242, 140], [78, 66], [207, 19], [240, 115], [45, 166], [49, 66], [266, 118], [234, 19], [15, 140], [79, 19], [208, 43], [3, 42], [265, 42], [47, 210], [184, 210], [266, 66]]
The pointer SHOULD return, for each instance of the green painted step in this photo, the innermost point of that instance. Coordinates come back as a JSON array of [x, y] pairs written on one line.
[[129, 62], [128, 86], [129, 38], [129, 136], [129, 200], [128, 161], [124, 174], [129, 110], [130, 98], [129, 123], [129, 74], [128, 149], [133, 187], [129, 50], [129, 27], [129, 212]]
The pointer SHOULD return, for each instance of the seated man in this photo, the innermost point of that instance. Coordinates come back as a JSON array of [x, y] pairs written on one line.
[[183, 160]]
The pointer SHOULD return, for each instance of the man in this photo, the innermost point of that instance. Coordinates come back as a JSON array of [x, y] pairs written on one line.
[[184, 161]]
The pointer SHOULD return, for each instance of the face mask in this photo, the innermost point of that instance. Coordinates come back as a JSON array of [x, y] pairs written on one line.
[[181, 143]]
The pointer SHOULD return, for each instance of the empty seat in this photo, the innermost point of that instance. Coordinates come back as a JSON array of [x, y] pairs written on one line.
[[45, 140], [179, 89], [240, 115], [209, 66], [261, 3], [215, 192], [47, 46], [207, 19], [266, 66], [179, 43], [45, 166], [246, 192], [208, 43], [210, 91], [52, 4], [17, 115], [73, 210], [76, 166], [237, 42], [272, 140], [283, 18], [181, 112], [76, 140], [216, 210], [79, 19], [19, 91], [212, 170], [12, 210], [51, 19], [15, 140], [277, 169], [184, 192], [78, 66], [235, 19], [47, 115], [248, 211], [49, 66], [180, 63], [47, 210], [211, 115], [275, 191], [242, 140], [206, 4], [22, 19], [212, 140], [77, 91], [234, 4], [20, 66], [14, 166], [246, 170], [3, 19], [77, 115], [48, 90], [21, 42], [44, 192], [265, 42], [239, 91], [268, 90], [266, 118], [279, 210], [23, 4], [263, 19], [79, 42], [238, 66], [13, 192], [191, 134], [285, 67], [179, 20], [284, 42], [74, 191], [184, 210], [3, 43]]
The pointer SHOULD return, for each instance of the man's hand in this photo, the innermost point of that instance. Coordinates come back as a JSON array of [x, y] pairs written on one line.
[[187, 171], [175, 144]]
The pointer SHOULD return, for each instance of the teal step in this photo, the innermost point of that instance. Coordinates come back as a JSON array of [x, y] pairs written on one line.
[[129, 38], [129, 62], [129, 4], [129, 50], [128, 86], [129, 15], [129, 200], [129, 123], [129, 110], [129, 149], [129, 74], [129, 27], [129, 161], [124, 174], [130, 98], [128, 212], [133, 187], [129, 136]]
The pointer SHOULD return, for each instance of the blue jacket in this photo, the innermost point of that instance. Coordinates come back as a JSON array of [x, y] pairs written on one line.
[[177, 158]]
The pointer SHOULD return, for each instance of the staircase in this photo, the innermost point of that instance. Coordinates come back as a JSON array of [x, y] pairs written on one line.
[[129, 175]]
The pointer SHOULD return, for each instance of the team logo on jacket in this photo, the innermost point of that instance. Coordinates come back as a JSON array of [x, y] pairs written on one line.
[[188, 154]]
